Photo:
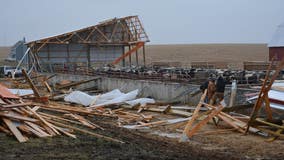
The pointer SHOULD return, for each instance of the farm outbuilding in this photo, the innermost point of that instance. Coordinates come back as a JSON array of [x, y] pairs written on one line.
[[17, 51], [108, 42], [276, 45]]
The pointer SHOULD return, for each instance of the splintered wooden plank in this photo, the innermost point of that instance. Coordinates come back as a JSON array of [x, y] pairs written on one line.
[[38, 129], [27, 128], [17, 105], [85, 131], [36, 92], [3, 129], [65, 132], [279, 131], [35, 108], [5, 93], [82, 120], [205, 121], [194, 116], [17, 117], [2, 102], [47, 86], [52, 117], [234, 121], [43, 121], [14, 130], [231, 123]]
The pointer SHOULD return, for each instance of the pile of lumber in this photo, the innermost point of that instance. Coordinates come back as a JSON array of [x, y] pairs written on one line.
[[199, 120], [24, 118], [35, 116]]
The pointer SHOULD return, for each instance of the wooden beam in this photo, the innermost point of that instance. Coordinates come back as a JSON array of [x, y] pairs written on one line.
[[14, 130], [90, 34], [267, 107], [42, 45], [89, 56], [128, 53], [18, 117], [35, 90], [123, 60], [130, 63], [76, 34], [144, 56], [105, 37], [194, 116], [38, 129], [136, 56], [203, 122], [16, 105], [113, 31], [43, 121], [86, 132]]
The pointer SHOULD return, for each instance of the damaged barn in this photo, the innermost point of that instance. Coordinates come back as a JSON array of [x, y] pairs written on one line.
[[108, 42]]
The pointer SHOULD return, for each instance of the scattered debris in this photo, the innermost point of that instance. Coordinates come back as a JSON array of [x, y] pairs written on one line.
[[33, 112]]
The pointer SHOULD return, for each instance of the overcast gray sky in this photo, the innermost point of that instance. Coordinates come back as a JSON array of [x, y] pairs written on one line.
[[165, 21]]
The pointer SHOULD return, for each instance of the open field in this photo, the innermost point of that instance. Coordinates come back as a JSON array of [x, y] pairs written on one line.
[[186, 53], [4, 51]]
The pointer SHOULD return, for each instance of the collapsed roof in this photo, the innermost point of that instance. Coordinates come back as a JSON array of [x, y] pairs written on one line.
[[116, 31]]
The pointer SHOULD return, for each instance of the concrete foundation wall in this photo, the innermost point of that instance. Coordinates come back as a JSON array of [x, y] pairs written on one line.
[[164, 91], [161, 91]]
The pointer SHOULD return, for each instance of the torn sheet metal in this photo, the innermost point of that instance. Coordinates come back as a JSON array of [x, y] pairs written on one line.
[[5, 93]]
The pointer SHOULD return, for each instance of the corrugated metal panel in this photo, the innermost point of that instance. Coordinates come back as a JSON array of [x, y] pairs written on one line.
[[78, 53], [107, 53]]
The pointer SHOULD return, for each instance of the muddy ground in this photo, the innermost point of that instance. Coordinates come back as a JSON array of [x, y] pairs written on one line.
[[140, 146]]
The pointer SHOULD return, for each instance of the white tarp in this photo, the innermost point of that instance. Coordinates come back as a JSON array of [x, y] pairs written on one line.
[[141, 101], [125, 97], [112, 97], [79, 98], [102, 98]]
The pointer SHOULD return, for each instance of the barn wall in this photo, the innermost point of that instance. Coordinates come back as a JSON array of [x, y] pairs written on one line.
[[70, 55], [278, 52]]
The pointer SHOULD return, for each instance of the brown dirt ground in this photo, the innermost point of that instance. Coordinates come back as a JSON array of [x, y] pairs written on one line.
[[140, 145]]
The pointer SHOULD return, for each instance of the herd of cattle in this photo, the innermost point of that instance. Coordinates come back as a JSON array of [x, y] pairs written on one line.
[[184, 74]]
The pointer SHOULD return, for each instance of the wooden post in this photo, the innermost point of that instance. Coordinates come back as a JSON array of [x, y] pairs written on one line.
[[14, 130], [36, 92], [129, 48], [144, 60], [194, 116], [233, 93], [68, 56], [48, 52], [88, 56], [136, 54], [123, 60]]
